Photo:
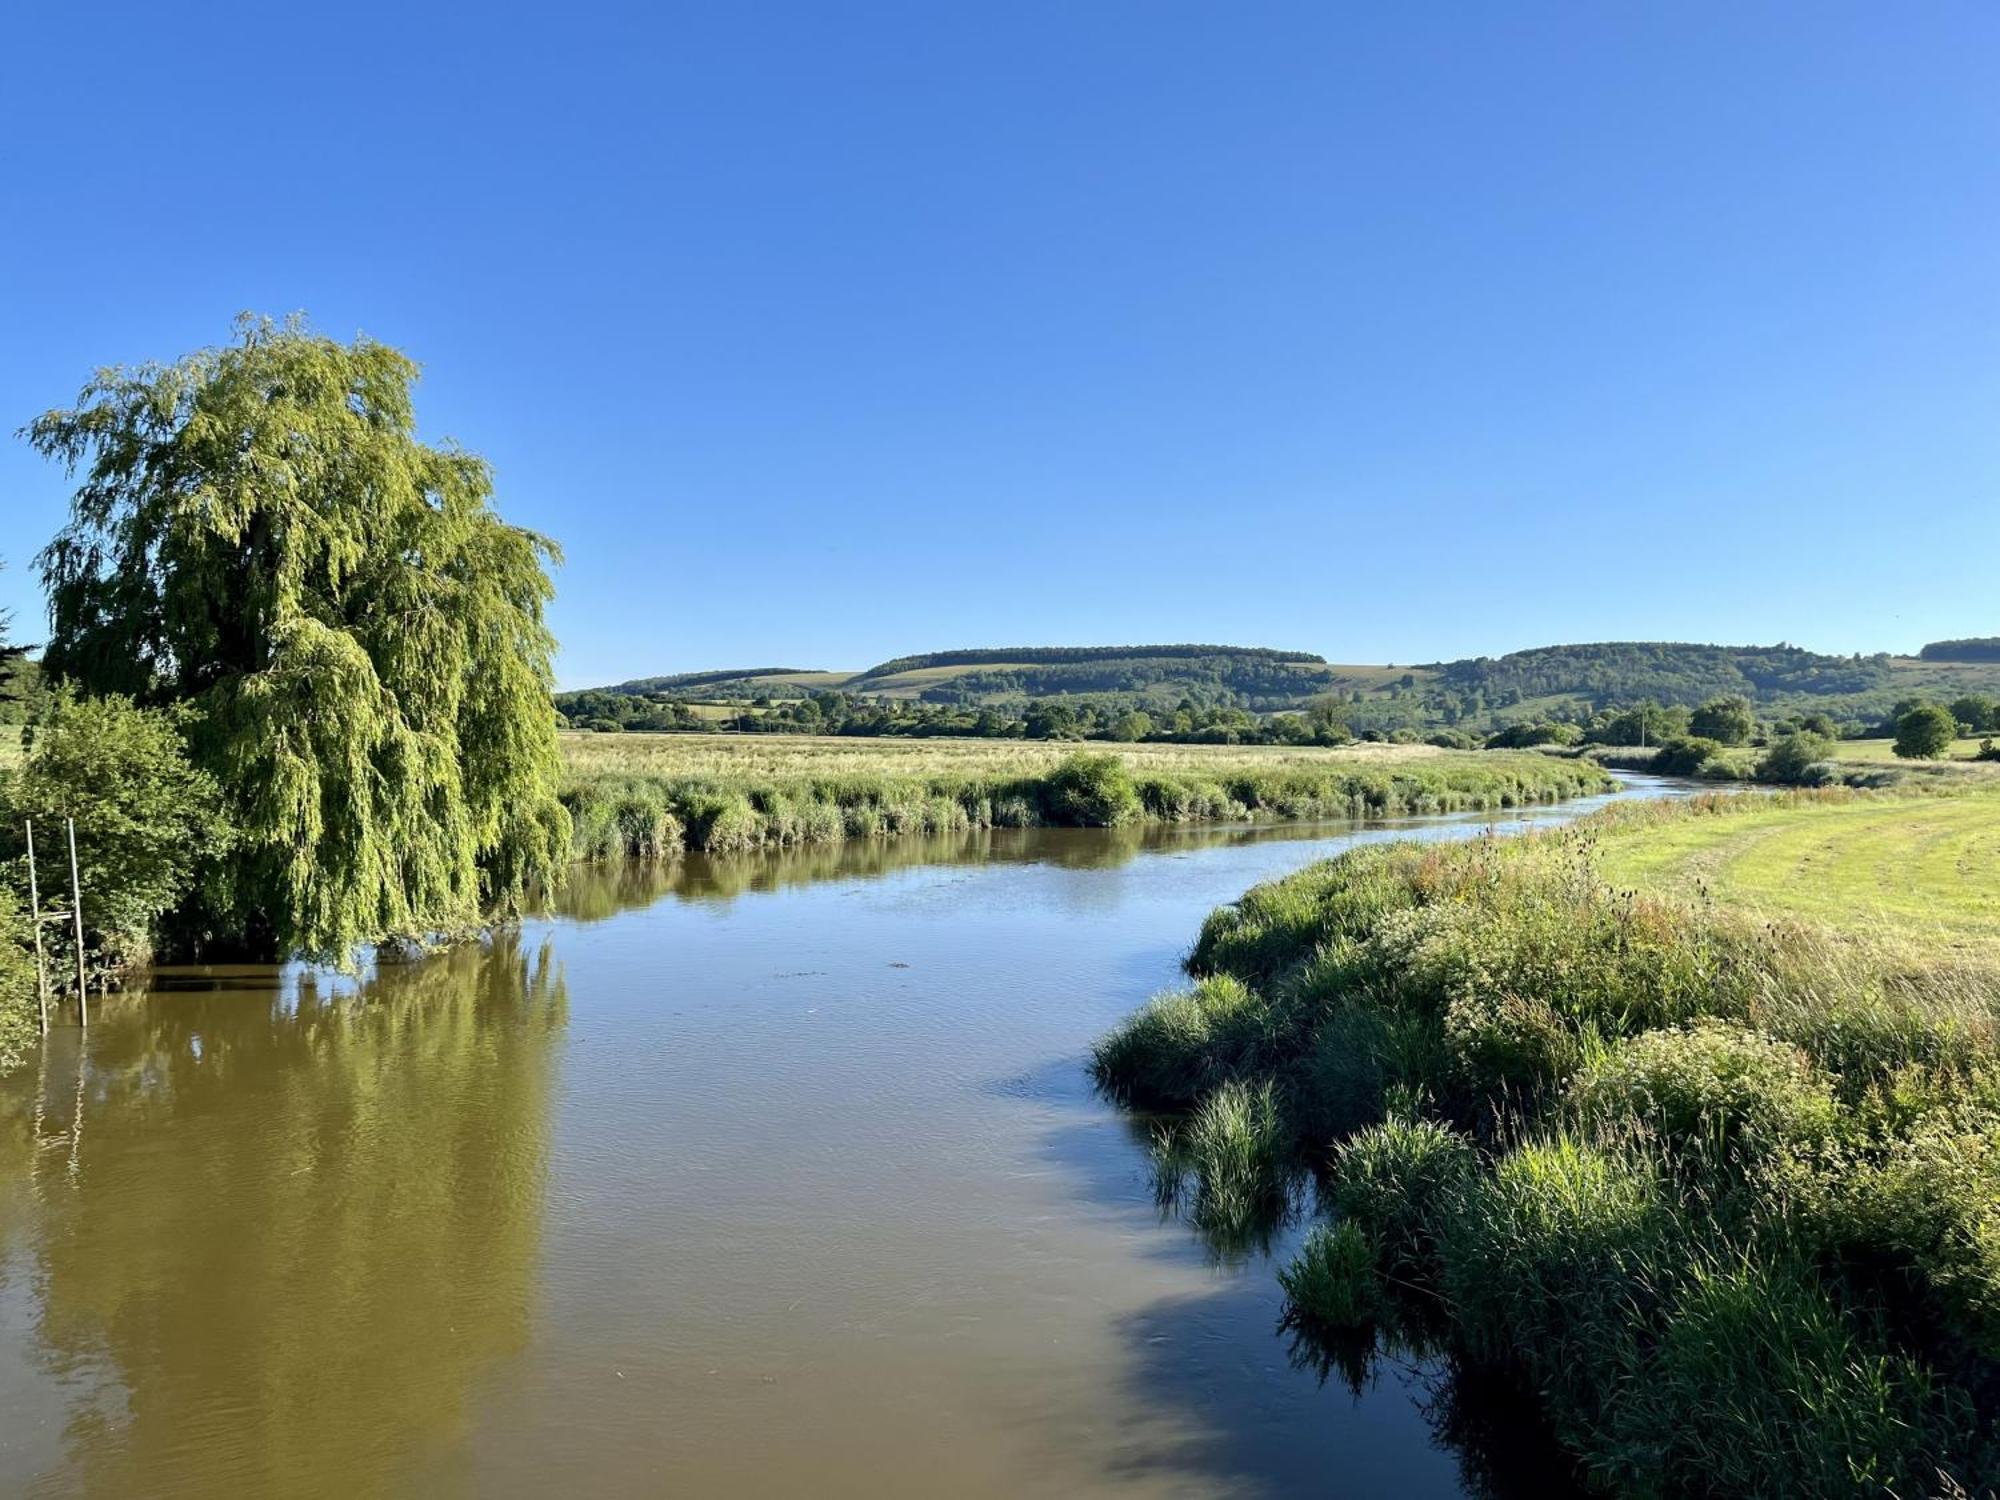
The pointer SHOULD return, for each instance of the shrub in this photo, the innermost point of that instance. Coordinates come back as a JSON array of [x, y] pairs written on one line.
[[721, 821], [1360, 1054], [1925, 732], [1711, 1091], [646, 827], [1797, 760], [1685, 755], [1727, 721], [1092, 791], [18, 1005], [149, 826], [1920, 1227]]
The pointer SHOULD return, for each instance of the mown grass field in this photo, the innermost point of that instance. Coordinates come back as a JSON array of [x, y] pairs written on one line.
[[1910, 868], [1883, 751], [795, 756]]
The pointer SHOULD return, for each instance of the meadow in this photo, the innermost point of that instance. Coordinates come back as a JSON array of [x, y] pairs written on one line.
[[1915, 871], [1883, 751], [1685, 1119], [649, 796]]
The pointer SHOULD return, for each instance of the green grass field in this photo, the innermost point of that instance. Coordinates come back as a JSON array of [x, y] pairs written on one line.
[[792, 757], [1911, 869], [10, 745], [1883, 752]]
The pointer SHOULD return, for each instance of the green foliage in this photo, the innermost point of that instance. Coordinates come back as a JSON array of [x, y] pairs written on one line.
[[1010, 789], [1727, 720], [1976, 713], [1796, 760], [1974, 648], [1234, 1150], [1685, 755], [1723, 1193], [258, 533], [1524, 735], [1789, 1402], [1399, 1180], [1182, 1046], [149, 825], [19, 1021], [1925, 732], [19, 677], [1724, 1093], [1642, 724], [1332, 1282], [1091, 791]]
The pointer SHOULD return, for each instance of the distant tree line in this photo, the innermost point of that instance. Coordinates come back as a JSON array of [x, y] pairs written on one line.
[[1060, 655], [1972, 648]]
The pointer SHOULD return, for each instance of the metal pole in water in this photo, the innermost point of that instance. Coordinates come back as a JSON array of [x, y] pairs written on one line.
[[35, 911], [76, 906]]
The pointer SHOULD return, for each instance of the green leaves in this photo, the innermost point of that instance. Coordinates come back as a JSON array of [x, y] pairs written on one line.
[[258, 532]]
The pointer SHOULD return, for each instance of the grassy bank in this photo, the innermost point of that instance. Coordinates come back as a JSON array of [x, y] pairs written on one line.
[[652, 796], [1673, 1117]]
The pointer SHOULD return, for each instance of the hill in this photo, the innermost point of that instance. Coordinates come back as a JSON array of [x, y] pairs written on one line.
[[1475, 693]]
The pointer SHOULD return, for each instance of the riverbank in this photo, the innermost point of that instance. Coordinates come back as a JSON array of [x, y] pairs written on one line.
[[653, 796], [1676, 1118]]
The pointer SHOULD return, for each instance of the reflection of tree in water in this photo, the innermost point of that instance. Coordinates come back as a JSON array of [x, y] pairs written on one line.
[[303, 1224], [598, 891]]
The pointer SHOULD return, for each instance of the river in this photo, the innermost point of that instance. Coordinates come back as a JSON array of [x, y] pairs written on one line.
[[768, 1176]]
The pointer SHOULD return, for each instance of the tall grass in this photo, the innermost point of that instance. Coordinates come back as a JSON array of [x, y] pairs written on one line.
[[782, 799], [1724, 1193]]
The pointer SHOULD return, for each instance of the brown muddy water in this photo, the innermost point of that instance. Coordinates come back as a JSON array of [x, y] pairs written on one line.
[[768, 1176]]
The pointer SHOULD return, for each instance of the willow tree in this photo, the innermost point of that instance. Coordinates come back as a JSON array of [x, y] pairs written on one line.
[[258, 533]]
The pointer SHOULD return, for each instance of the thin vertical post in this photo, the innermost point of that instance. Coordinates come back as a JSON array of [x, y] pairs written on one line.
[[76, 907], [35, 911]]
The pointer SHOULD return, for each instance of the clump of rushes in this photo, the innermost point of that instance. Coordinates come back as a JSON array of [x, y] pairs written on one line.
[[1333, 1283], [1722, 1191], [1180, 1047], [1230, 1165]]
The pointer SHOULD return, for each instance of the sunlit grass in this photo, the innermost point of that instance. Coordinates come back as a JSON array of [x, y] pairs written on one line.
[[1909, 866]]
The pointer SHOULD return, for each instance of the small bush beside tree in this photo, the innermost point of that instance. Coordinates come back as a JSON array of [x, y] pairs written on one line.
[[149, 825]]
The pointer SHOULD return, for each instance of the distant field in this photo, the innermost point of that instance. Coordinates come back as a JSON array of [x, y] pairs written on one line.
[[785, 757], [1909, 868], [1885, 751], [10, 745]]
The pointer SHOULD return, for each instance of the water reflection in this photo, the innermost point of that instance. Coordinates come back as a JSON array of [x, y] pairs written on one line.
[[277, 1233], [274, 1228], [599, 891]]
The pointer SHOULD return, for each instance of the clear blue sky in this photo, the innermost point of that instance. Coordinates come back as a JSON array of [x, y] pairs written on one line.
[[821, 333]]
